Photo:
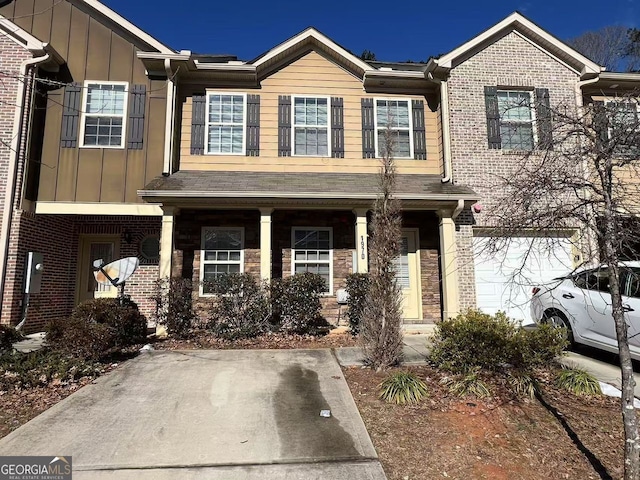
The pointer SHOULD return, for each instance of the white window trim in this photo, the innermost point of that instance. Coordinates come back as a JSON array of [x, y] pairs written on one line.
[[609, 101], [533, 121], [293, 250], [212, 262], [85, 114], [208, 93], [375, 124], [293, 125]]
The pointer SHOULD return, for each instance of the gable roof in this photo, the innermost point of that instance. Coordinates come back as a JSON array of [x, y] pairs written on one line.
[[310, 37], [125, 24], [34, 45], [525, 27]]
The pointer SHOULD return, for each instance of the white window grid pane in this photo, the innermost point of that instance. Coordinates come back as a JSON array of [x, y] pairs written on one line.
[[102, 131], [402, 143], [311, 252], [516, 120], [105, 99], [516, 136], [225, 129], [312, 239], [393, 112], [311, 126]]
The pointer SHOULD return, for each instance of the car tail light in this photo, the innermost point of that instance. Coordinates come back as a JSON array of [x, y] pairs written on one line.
[[535, 290]]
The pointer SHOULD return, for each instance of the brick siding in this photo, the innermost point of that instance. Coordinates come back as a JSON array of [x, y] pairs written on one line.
[[509, 62]]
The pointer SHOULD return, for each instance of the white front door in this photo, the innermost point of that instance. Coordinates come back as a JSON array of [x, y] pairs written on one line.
[[504, 279], [408, 274]]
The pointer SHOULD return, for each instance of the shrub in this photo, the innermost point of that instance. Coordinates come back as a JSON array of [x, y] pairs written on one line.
[[523, 384], [97, 328], [578, 382], [402, 388], [8, 336], [467, 384], [20, 370], [478, 340], [241, 309], [357, 288], [295, 303], [174, 306]]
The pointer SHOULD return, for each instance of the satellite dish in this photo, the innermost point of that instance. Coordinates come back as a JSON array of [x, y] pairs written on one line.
[[115, 273]]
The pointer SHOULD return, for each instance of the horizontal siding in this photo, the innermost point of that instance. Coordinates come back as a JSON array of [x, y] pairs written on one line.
[[312, 74]]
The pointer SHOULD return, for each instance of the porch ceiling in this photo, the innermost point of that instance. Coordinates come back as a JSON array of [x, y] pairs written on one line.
[[329, 189]]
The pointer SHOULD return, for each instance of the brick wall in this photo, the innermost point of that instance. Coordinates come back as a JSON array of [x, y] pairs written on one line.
[[57, 238], [510, 61]]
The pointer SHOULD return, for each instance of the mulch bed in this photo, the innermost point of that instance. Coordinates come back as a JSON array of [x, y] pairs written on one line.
[[497, 438], [206, 340]]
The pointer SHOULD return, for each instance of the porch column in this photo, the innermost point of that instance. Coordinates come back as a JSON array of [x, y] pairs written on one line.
[[166, 240], [448, 265], [265, 243], [362, 252]]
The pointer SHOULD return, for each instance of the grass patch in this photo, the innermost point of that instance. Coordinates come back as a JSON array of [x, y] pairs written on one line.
[[578, 382], [468, 384], [403, 388]]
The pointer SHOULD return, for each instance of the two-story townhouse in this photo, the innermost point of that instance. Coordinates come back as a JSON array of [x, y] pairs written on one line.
[[277, 170], [517, 64], [92, 132]]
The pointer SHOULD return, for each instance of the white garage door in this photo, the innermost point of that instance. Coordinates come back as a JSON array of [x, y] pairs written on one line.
[[504, 280]]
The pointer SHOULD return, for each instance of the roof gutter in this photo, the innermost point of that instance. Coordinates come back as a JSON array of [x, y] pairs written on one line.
[[169, 119], [446, 131], [14, 158]]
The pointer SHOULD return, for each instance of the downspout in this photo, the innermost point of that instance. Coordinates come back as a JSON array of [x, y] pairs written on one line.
[[14, 157], [580, 104], [446, 131], [169, 120], [458, 209]]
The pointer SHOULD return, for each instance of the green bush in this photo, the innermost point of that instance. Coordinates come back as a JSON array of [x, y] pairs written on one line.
[[357, 288], [97, 328], [241, 309], [174, 306], [578, 382], [403, 388], [22, 370], [296, 305], [8, 336], [478, 340]]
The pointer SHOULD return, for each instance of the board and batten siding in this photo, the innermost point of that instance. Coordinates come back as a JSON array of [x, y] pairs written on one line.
[[312, 74], [92, 52]]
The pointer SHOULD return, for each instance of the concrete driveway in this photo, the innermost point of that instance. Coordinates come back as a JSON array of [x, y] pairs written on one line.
[[209, 414]]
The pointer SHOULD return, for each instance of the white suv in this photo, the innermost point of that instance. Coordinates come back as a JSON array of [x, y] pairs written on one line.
[[581, 302]]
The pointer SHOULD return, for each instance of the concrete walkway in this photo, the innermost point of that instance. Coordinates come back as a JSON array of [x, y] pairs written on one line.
[[415, 352], [234, 414]]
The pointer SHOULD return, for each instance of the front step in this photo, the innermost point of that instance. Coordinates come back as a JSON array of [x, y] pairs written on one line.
[[409, 328]]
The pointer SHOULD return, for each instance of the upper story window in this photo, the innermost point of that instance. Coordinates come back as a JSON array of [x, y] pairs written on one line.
[[393, 117], [104, 113], [311, 126], [226, 123], [516, 119], [623, 118]]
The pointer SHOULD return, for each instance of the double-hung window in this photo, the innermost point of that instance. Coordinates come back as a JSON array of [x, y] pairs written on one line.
[[222, 253], [104, 114], [311, 126], [393, 124], [312, 252], [516, 119], [623, 126], [226, 123]]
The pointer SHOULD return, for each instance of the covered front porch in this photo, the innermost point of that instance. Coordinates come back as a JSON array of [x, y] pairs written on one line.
[[276, 225]]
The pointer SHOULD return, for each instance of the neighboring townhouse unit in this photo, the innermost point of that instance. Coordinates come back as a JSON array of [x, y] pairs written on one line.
[[93, 133], [277, 170], [499, 87]]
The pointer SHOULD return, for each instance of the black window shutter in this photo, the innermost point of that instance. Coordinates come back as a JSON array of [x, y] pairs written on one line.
[[419, 132], [337, 127], [70, 115], [137, 100], [543, 114], [253, 125], [284, 126], [493, 117], [601, 122], [198, 124], [368, 129]]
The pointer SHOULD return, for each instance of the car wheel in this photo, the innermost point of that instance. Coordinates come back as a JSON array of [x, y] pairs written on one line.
[[558, 320]]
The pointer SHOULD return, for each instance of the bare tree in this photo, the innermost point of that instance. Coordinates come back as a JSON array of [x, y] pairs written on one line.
[[608, 47], [583, 176], [380, 332]]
